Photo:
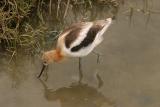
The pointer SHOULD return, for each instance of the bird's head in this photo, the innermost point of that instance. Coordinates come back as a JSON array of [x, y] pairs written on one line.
[[49, 57]]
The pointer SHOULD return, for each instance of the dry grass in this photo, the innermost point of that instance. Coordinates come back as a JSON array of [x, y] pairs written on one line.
[[25, 24], [15, 29]]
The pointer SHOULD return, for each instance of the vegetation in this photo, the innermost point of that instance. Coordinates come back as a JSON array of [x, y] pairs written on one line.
[[26, 24]]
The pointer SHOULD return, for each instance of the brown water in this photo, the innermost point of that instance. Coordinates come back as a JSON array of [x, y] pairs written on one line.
[[129, 68]]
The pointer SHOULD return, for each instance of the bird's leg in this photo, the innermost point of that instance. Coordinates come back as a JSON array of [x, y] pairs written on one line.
[[100, 81], [98, 56], [80, 70]]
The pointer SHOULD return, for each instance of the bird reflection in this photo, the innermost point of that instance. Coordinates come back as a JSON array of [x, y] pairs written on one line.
[[77, 95]]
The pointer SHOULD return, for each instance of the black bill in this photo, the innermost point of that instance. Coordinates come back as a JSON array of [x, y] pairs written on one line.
[[44, 66]]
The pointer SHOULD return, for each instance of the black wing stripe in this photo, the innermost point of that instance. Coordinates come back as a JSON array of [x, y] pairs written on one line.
[[91, 35]]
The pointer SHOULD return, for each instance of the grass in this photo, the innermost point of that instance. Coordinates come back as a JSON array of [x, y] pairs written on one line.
[[14, 24], [24, 25]]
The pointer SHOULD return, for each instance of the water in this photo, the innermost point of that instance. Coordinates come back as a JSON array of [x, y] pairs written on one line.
[[129, 69]]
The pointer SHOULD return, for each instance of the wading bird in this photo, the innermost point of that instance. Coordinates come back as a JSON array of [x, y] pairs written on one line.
[[78, 40]]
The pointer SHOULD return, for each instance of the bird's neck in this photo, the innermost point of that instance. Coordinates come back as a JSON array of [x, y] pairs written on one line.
[[57, 56]]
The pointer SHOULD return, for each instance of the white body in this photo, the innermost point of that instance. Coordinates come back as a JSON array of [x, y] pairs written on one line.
[[86, 50]]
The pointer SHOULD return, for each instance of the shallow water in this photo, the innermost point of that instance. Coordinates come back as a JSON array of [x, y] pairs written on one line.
[[128, 70]]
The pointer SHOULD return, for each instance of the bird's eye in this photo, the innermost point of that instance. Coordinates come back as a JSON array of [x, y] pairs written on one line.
[[45, 62]]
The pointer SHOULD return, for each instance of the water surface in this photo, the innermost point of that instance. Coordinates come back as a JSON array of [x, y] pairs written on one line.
[[129, 69]]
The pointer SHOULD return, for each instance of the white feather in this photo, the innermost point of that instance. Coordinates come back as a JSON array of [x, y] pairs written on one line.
[[84, 51]]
